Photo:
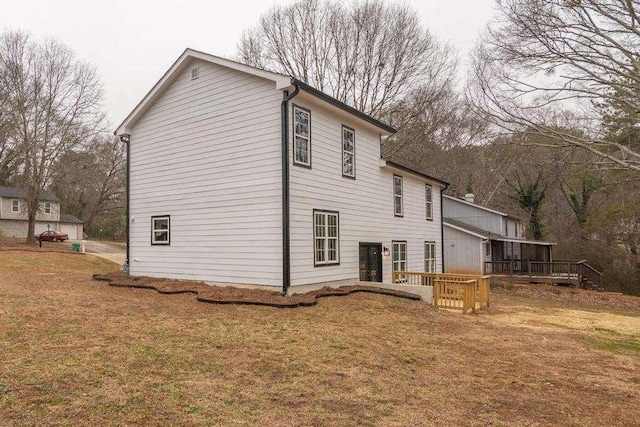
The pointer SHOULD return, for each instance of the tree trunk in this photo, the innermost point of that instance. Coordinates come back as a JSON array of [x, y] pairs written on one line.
[[32, 211]]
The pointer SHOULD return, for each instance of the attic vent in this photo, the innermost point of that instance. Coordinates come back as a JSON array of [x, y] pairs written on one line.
[[195, 73]]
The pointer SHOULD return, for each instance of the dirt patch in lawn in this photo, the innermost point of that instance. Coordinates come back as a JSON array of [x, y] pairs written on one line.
[[233, 295]]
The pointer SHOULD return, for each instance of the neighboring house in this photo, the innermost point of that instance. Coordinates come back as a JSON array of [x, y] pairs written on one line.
[[243, 176], [477, 239], [14, 220]]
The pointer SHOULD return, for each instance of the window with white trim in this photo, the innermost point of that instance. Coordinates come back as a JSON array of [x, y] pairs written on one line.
[[15, 205], [515, 227], [428, 197], [399, 256], [301, 136], [430, 257], [487, 249], [326, 236], [160, 230], [397, 195], [47, 208], [348, 152]]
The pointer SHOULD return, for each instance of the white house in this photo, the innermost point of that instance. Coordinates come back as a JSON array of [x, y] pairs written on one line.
[[14, 220], [244, 176], [477, 240]]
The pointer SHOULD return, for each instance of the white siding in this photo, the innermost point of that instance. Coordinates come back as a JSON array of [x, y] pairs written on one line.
[[474, 216], [463, 253], [365, 204], [207, 153]]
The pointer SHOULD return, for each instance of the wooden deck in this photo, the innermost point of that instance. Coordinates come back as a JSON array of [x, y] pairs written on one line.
[[465, 292], [577, 273]]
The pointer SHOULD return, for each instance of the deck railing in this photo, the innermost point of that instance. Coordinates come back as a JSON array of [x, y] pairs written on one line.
[[578, 271], [465, 292]]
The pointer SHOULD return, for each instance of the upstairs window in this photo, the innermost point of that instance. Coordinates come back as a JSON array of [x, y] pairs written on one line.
[[399, 256], [506, 228], [397, 195], [161, 230], [515, 228], [15, 205], [47, 208], [430, 257], [326, 237], [348, 152], [428, 195], [301, 136]]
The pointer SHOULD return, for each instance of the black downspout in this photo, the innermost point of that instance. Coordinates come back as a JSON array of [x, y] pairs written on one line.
[[286, 249], [442, 190], [127, 139]]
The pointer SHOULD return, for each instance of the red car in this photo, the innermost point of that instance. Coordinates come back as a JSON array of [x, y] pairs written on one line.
[[53, 236]]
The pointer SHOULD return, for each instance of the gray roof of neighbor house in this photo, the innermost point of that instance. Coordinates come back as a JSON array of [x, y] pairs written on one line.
[[68, 218], [487, 234], [21, 193]]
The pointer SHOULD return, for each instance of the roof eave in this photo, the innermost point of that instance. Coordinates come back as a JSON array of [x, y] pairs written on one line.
[[339, 104], [393, 165]]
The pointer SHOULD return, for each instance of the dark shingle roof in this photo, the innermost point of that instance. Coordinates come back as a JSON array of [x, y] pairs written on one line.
[[21, 193], [484, 233], [68, 218]]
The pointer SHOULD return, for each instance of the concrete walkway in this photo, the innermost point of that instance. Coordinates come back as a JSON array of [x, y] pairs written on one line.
[[107, 251]]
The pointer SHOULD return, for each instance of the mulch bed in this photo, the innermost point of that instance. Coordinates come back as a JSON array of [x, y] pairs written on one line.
[[232, 295]]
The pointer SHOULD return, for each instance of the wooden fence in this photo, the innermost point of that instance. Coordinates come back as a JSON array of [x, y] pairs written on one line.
[[464, 292]]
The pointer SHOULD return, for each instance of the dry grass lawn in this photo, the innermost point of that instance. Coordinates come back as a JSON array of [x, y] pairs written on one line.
[[78, 352]]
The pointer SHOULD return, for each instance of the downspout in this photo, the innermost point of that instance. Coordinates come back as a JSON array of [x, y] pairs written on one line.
[[286, 248], [442, 190], [126, 139]]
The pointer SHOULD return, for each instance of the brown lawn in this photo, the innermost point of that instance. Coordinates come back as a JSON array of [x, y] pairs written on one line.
[[76, 351]]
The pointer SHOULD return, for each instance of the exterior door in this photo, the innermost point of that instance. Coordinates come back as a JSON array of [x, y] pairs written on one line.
[[371, 262]]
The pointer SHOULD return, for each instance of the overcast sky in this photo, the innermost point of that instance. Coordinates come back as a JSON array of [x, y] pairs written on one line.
[[133, 42]]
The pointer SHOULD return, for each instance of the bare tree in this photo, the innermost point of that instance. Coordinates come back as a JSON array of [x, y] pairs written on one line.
[[91, 182], [369, 55], [52, 107], [547, 66]]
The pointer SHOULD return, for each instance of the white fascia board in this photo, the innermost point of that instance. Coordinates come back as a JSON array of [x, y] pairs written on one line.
[[433, 181], [446, 224], [528, 242], [475, 205]]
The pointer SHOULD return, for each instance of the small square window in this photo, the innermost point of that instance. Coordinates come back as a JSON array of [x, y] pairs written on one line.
[[195, 73], [161, 230]]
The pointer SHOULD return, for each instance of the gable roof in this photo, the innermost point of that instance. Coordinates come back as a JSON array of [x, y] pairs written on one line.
[[281, 81], [21, 193], [68, 218]]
